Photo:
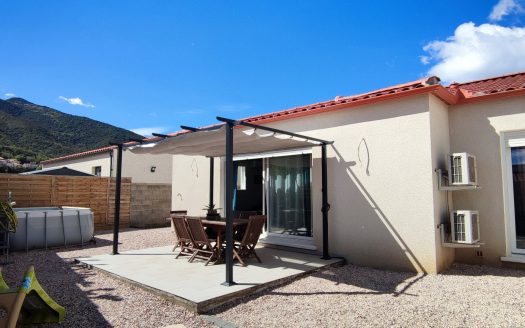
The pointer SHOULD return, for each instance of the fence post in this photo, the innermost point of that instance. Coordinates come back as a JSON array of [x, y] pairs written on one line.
[[108, 181], [52, 199]]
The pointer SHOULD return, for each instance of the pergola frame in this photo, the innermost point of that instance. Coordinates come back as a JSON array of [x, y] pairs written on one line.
[[230, 125]]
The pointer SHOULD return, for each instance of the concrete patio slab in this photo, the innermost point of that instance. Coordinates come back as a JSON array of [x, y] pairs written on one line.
[[198, 287]]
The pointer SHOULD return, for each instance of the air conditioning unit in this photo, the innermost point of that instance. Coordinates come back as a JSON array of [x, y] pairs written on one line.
[[462, 170], [464, 227]]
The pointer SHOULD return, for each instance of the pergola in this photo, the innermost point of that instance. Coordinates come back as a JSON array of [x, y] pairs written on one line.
[[226, 139]]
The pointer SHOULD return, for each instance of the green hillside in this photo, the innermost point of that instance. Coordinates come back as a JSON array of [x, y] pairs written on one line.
[[31, 132]]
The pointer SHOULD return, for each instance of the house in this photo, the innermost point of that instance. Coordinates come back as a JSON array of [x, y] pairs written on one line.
[[380, 154], [101, 162], [386, 205]]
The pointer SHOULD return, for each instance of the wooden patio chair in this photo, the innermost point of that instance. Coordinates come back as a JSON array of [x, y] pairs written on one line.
[[243, 215], [238, 233], [175, 214], [184, 239], [246, 247], [203, 248]]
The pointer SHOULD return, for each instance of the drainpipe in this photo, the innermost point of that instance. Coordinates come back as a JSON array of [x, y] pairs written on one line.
[[111, 163]]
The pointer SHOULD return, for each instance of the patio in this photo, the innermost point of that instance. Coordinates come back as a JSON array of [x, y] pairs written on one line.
[[198, 287], [229, 138]]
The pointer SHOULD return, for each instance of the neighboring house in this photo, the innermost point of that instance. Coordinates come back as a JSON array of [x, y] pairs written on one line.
[[102, 162], [386, 207]]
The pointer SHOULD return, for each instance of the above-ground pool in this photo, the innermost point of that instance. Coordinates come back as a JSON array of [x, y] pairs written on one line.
[[43, 227]]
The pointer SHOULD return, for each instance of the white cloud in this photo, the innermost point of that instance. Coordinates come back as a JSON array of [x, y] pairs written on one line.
[[233, 107], [147, 132], [76, 101], [9, 95], [475, 52], [504, 8], [425, 60]]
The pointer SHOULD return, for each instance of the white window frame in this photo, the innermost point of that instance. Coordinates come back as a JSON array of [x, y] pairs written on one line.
[[273, 154], [510, 139]]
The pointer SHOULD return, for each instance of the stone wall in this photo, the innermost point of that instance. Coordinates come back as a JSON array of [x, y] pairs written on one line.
[[150, 204]]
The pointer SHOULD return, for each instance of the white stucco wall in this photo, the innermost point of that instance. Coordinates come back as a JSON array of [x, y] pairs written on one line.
[[138, 167], [191, 183], [440, 147], [476, 128]]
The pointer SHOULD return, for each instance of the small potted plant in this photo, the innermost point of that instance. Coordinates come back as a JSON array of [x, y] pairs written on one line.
[[211, 212]]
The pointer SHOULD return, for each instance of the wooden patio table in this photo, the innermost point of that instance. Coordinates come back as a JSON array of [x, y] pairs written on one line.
[[220, 226]]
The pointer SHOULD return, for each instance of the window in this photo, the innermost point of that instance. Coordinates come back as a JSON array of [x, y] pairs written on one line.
[[513, 161], [97, 170], [241, 177]]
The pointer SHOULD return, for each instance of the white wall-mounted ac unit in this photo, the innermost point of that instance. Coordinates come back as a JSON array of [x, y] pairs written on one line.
[[462, 170], [464, 227]]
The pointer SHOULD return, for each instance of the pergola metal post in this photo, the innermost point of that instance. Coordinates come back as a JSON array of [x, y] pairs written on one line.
[[211, 179], [326, 207], [229, 205], [116, 220]]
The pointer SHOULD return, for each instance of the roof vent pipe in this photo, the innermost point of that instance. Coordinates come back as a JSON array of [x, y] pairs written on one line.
[[433, 80]]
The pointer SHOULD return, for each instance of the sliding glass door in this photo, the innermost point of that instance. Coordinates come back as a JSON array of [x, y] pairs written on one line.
[[279, 186], [288, 195]]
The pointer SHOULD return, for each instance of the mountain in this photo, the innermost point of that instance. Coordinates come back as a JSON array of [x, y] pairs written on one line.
[[31, 132]]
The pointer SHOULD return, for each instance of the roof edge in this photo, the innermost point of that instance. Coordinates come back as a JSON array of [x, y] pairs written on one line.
[[345, 105], [446, 96], [78, 155]]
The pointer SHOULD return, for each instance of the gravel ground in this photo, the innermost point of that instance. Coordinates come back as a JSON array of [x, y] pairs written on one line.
[[351, 296], [93, 299], [348, 296]]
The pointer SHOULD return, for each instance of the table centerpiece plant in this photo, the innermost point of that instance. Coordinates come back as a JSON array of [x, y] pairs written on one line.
[[211, 212]]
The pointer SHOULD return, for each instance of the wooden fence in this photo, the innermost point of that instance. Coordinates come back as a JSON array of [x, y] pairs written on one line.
[[45, 190]]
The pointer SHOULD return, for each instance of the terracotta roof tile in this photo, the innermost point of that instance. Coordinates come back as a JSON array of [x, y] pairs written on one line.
[[500, 85], [340, 101], [82, 154]]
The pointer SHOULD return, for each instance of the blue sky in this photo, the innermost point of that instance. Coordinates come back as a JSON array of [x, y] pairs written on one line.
[[154, 65]]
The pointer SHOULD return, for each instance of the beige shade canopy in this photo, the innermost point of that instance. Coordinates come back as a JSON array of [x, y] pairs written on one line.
[[212, 142]]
